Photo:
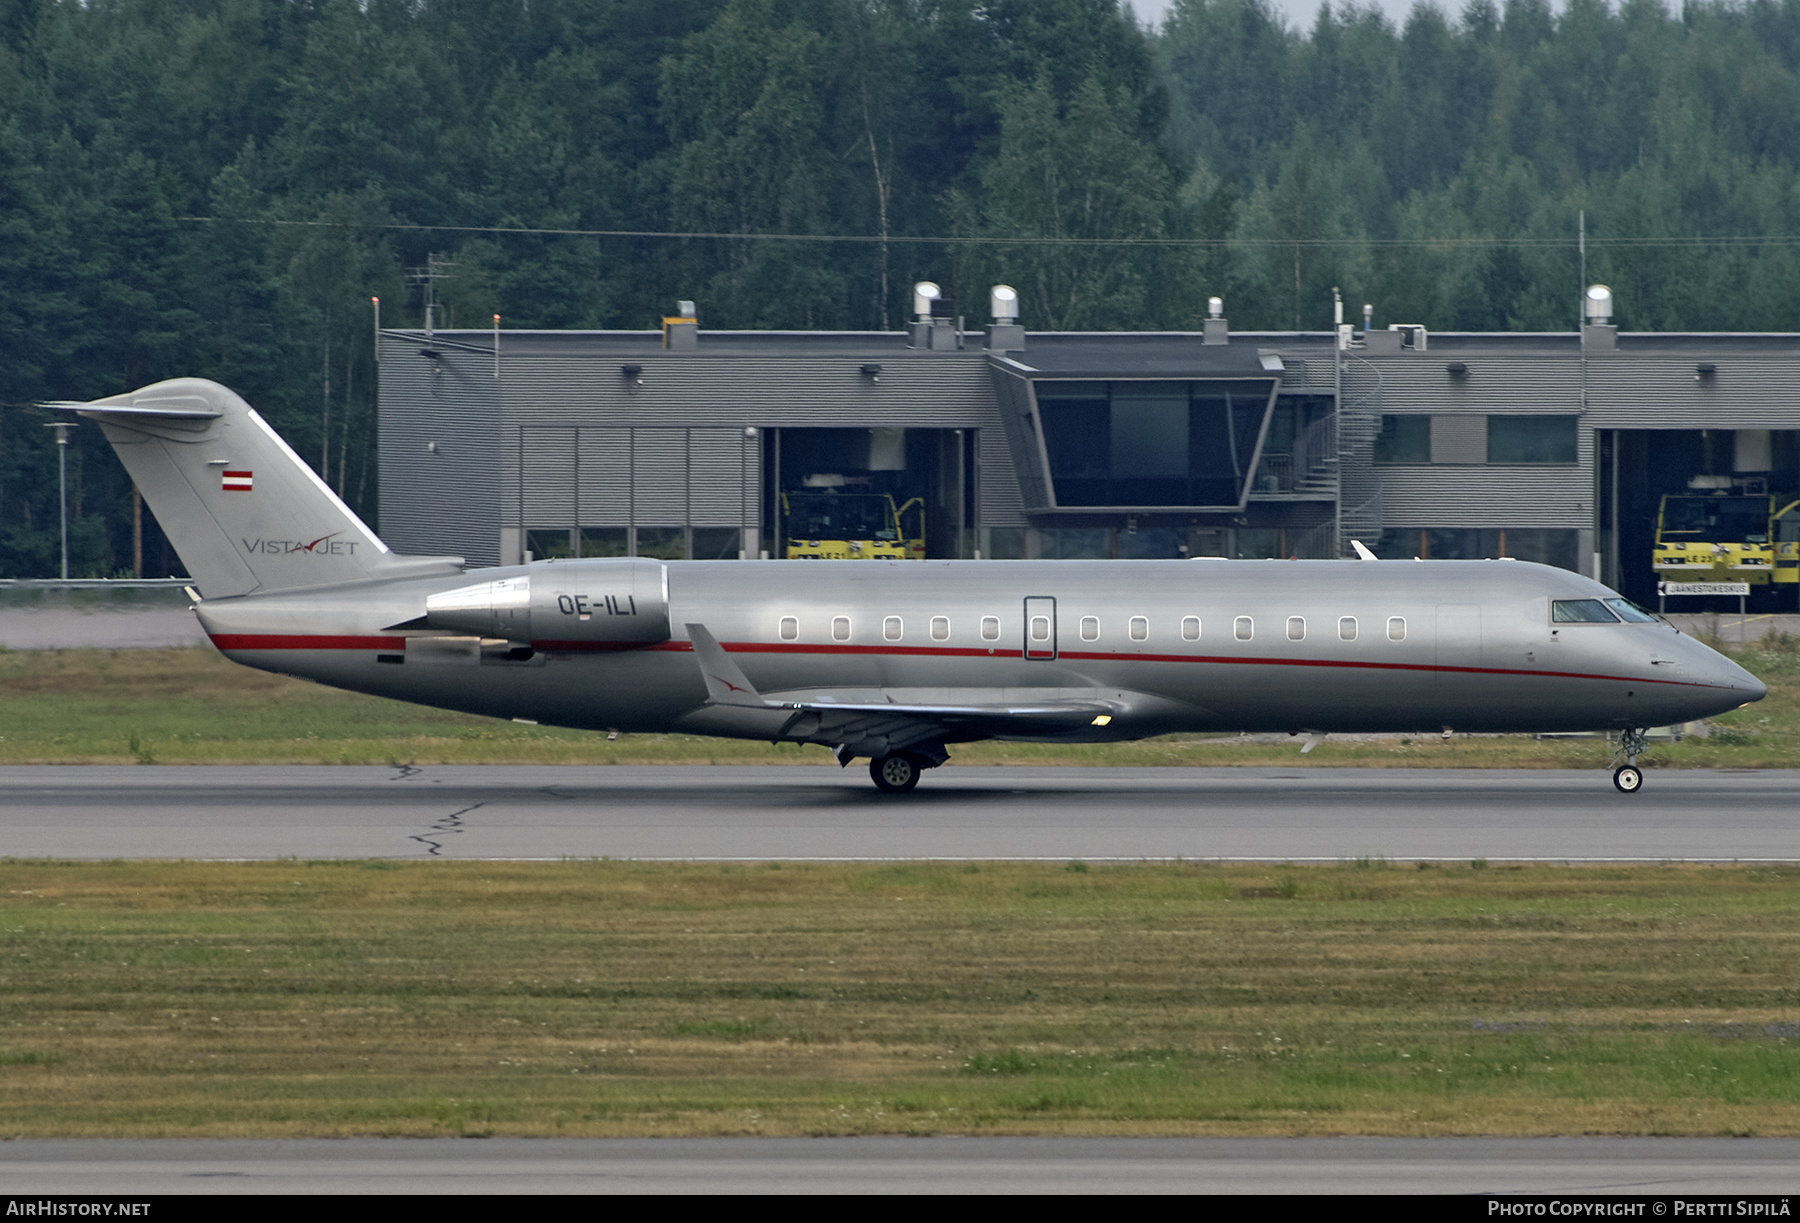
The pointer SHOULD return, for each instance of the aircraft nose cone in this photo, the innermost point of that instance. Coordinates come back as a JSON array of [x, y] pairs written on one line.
[[1754, 689]]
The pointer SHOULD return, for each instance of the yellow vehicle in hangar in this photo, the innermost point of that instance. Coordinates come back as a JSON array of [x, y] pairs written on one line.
[[836, 526], [1725, 537]]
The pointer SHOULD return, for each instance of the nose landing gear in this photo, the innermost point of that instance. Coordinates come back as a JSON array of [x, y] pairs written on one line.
[[1627, 777]]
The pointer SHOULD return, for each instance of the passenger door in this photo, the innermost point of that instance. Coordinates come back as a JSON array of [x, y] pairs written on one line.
[[1459, 644], [1040, 627]]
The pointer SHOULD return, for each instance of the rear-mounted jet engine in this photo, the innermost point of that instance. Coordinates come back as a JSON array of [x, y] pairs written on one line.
[[573, 605]]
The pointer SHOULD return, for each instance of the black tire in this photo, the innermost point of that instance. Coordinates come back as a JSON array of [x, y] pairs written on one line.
[[895, 774], [1628, 779]]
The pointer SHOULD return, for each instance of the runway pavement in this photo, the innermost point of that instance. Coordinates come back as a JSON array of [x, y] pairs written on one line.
[[1570, 1167], [811, 812]]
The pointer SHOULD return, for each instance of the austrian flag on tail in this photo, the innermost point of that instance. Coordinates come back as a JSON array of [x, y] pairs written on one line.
[[235, 481]]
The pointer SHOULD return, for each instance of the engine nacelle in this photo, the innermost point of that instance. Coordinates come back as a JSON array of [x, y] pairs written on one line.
[[569, 605]]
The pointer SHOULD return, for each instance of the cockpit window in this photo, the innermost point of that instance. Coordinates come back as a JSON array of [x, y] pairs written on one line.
[[1581, 611], [1630, 612]]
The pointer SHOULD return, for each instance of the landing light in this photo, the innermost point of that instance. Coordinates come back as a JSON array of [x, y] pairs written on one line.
[[1103, 719]]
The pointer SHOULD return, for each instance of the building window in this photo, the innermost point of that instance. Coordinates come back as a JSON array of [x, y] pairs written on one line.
[[840, 628], [549, 543], [1531, 439], [1134, 442], [940, 628], [1296, 628], [1346, 628], [605, 541], [1090, 628], [1139, 628], [990, 628], [1549, 546], [1404, 439], [891, 628], [663, 543], [1243, 628], [1396, 628], [713, 544], [1190, 628], [789, 629]]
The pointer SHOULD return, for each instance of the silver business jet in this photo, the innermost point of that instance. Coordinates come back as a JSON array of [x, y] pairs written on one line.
[[892, 661]]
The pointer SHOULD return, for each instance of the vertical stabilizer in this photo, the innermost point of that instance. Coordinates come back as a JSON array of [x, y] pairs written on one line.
[[244, 511]]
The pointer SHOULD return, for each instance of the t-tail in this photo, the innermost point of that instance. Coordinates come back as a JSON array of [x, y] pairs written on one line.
[[244, 512]]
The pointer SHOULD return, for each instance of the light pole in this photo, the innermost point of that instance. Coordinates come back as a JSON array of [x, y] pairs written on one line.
[[62, 470]]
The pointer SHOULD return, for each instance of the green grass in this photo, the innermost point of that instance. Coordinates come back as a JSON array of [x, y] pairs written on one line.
[[194, 707], [296, 998]]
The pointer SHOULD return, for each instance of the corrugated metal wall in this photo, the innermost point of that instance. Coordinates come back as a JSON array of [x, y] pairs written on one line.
[[566, 437], [566, 434], [442, 471]]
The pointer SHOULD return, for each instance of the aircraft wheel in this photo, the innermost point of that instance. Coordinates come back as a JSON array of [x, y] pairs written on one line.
[[894, 774], [1628, 779]]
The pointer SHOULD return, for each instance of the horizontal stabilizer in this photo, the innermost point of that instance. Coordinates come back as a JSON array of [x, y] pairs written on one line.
[[244, 512]]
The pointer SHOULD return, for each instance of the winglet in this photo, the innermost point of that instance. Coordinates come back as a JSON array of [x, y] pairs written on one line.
[[725, 683], [1362, 553]]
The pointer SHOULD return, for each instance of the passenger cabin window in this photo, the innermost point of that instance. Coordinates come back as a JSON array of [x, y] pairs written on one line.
[[1396, 628], [840, 628], [990, 628], [1243, 628], [1190, 628], [1090, 628], [1296, 628], [1347, 628], [1138, 628], [940, 628], [1040, 628], [1580, 611], [891, 628], [788, 629]]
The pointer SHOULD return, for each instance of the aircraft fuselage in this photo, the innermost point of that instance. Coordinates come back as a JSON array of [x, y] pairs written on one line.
[[1197, 646]]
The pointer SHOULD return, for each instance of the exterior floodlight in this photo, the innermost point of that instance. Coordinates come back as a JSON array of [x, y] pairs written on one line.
[[924, 293], [685, 309], [1215, 307], [1003, 302], [1599, 303]]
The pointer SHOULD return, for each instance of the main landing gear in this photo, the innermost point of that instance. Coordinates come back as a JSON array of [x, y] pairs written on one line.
[[1628, 778], [896, 774]]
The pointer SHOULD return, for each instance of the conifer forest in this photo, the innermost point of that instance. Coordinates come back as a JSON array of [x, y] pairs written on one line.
[[218, 187]]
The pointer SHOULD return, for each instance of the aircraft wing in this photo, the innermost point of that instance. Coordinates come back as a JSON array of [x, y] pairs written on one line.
[[849, 717]]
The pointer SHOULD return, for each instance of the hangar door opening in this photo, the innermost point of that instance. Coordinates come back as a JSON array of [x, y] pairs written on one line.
[[869, 494], [1701, 505]]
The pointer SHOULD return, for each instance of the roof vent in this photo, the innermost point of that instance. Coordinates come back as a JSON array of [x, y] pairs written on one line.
[[1217, 327], [1597, 304], [1003, 304], [924, 294]]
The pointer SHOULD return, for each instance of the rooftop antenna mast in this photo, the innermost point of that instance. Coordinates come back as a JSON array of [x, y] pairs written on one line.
[[436, 268]]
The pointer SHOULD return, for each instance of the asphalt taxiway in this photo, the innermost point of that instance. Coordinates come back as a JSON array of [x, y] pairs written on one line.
[[811, 812]]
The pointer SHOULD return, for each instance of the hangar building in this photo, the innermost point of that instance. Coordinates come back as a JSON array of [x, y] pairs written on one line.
[[1558, 447]]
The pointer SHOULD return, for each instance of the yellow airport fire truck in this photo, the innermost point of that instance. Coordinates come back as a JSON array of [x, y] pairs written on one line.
[[1726, 536], [839, 526]]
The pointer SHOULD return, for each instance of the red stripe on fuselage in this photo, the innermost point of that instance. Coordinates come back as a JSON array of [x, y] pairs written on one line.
[[763, 647], [298, 641], [251, 641]]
